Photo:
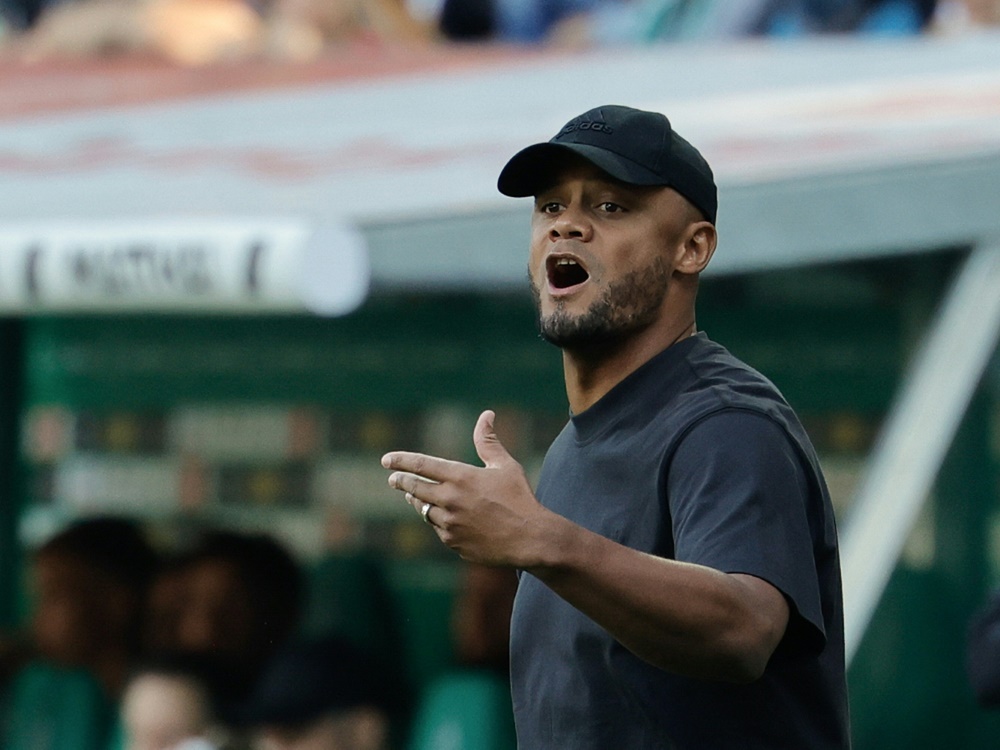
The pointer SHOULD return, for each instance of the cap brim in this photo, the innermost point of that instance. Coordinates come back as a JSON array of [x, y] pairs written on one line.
[[530, 170], [285, 710]]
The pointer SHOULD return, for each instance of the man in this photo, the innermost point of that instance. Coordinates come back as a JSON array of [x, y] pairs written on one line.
[[680, 582], [88, 583], [233, 597]]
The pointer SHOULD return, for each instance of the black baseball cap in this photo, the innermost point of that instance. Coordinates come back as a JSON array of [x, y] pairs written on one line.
[[312, 677], [632, 145]]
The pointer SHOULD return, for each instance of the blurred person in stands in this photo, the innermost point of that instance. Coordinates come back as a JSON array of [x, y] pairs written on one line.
[[188, 32], [171, 700], [18, 15], [236, 597], [202, 32], [481, 617], [321, 694], [88, 584], [302, 29], [647, 21], [791, 18], [466, 20], [964, 16]]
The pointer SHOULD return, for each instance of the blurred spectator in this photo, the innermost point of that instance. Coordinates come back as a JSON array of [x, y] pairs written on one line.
[[321, 694], [90, 585], [236, 597], [897, 17], [481, 617], [892, 17], [170, 700], [20, 14], [199, 32], [961, 16], [190, 32], [467, 20], [301, 29], [589, 22]]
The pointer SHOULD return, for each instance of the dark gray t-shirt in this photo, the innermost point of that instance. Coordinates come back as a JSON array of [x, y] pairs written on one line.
[[695, 457]]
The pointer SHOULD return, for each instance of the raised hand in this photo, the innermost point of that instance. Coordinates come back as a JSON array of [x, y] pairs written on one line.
[[487, 514]]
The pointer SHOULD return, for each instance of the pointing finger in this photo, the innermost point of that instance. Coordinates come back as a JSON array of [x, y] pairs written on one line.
[[429, 467]]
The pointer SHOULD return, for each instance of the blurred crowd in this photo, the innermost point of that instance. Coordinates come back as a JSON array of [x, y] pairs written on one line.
[[204, 647], [196, 32]]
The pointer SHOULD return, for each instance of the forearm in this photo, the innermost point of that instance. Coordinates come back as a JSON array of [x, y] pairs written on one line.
[[683, 618]]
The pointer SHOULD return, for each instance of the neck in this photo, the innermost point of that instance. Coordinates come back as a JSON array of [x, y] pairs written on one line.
[[591, 374]]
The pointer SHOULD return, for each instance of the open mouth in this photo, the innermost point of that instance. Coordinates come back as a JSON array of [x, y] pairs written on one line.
[[565, 272]]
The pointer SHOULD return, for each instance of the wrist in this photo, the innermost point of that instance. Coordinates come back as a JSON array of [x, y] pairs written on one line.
[[557, 542]]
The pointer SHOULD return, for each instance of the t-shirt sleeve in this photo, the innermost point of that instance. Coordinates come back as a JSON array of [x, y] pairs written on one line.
[[739, 503]]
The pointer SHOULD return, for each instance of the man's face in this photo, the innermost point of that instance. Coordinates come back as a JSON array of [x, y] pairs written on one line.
[[73, 618], [214, 613], [601, 257]]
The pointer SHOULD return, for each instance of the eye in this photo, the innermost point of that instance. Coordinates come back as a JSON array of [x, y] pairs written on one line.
[[611, 208], [550, 207]]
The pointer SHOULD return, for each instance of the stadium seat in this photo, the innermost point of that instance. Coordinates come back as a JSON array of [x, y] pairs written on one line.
[[464, 710], [424, 594], [348, 595]]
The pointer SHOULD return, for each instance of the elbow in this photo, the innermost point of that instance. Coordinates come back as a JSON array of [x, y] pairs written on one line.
[[745, 655], [750, 639], [733, 660], [745, 668], [739, 666]]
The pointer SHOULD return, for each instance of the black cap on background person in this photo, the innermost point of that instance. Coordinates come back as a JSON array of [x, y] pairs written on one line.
[[323, 694]]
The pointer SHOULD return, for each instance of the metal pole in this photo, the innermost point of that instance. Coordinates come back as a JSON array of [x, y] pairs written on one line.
[[918, 431], [11, 391]]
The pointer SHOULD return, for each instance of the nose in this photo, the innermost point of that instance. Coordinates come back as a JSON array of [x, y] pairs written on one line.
[[571, 223]]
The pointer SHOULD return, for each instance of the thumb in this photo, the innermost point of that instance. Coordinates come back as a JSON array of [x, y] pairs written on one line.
[[488, 446]]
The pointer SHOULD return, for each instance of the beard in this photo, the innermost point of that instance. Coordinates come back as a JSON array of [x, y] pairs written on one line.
[[629, 305]]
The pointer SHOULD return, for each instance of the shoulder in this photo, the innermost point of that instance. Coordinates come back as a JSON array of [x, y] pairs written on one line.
[[730, 406], [731, 438], [718, 381], [713, 365]]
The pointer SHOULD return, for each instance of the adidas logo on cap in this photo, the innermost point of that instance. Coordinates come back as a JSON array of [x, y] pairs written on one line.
[[581, 123]]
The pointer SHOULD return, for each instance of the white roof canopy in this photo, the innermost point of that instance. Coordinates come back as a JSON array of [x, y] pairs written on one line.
[[823, 149]]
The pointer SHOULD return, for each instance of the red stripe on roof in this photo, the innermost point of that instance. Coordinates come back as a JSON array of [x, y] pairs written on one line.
[[27, 90]]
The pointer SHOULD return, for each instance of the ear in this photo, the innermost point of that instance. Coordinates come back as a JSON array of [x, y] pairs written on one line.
[[696, 247]]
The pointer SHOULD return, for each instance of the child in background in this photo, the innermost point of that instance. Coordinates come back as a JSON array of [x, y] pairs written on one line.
[[171, 702]]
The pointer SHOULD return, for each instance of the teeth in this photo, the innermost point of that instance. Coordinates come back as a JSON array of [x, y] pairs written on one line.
[[565, 262]]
